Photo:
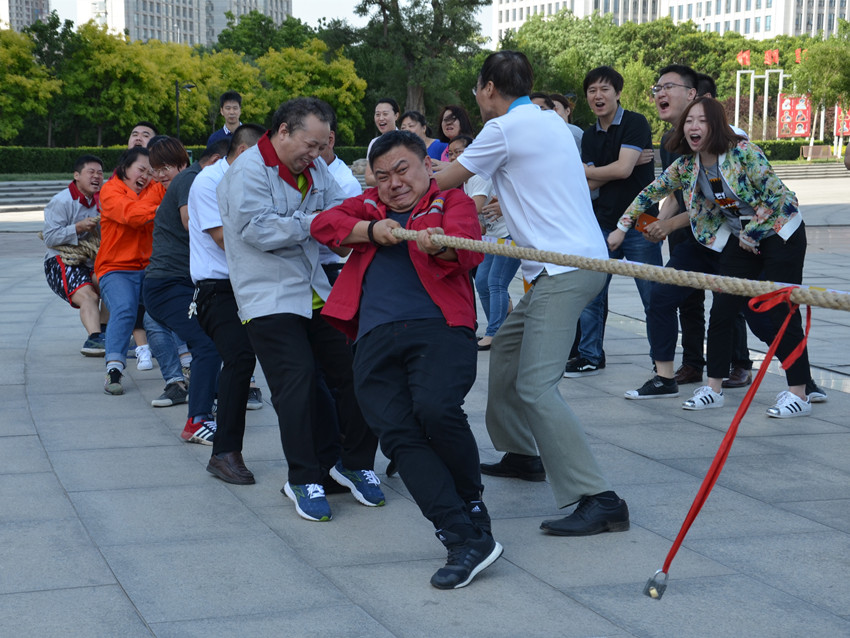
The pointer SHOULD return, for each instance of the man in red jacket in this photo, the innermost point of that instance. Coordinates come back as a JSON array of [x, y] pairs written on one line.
[[410, 308]]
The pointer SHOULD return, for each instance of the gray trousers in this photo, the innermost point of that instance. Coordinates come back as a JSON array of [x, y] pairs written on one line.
[[525, 410]]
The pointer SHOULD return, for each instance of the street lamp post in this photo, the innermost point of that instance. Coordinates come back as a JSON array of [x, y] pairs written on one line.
[[188, 86]]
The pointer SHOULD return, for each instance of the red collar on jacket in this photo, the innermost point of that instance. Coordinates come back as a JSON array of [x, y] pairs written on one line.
[[270, 158], [76, 194]]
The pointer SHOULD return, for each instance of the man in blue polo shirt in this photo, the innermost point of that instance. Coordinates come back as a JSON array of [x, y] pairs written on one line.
[[610, 150], [230, 107]]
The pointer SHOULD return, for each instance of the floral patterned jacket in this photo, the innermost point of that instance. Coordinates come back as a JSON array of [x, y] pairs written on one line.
[[746, 170]]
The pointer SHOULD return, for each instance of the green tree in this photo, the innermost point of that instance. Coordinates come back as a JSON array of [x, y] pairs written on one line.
[[253, 34], [825, 69], [25, 85], [228, 71], [295, 72]]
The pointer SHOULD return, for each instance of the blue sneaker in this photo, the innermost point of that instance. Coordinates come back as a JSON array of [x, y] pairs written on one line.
[[310, 501], [364, 484]]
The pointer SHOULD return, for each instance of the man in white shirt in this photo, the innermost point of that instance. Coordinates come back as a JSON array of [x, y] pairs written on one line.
[[547, 206]]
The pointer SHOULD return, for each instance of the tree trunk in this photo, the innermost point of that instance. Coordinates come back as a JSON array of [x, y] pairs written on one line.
[[415, 98]]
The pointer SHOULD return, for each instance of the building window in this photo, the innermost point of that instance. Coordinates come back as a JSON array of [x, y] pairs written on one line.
[[749, 5], [757, 25], [767, 23], [746, 26], [520, 13], [708, 8], [500, 17], [738, 26], [672, 12], [726, 26], [680, 11], [699, 10], [717, 27]]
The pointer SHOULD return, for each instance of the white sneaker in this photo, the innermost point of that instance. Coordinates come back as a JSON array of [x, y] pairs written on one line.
[[703, 399], [143, 358], [789, 405]]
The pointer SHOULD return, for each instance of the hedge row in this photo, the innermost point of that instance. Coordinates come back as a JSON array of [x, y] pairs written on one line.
[[26, 159]]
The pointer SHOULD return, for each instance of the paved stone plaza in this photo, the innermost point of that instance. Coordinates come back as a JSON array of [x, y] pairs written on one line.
[[110, 526]]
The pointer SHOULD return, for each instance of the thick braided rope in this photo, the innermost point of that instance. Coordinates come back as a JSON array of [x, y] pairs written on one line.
[[75, 255], [835, 299]]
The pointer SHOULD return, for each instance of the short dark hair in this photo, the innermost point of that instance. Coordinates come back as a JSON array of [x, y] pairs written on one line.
[[566, 102], [538, 95], [509, 71], [414, 115], [229, 96], [82, 160], [148, 125], [391, 102], [603, 74], [688, 75], [721, 137], [391, 139], [706, 85], [245, 134], [292, 113], [218, 147], [165, 150], [466, 139], [462, 118], [127, 159]]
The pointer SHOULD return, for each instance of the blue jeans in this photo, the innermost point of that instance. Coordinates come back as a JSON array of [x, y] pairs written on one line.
[[592, 320], [492, 278], [121, 291], [167, 300]]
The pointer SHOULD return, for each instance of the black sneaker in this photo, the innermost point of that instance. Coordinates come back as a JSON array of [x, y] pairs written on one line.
[[521, 466], [655, 388], [581, 367], [467, 557], [815, 393], [174, 393], [592, 516]]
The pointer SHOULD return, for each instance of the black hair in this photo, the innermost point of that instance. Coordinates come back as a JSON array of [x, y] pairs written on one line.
[[462, 117], [82, 160], [293, 112], [148, 125], [466, 139], [688, 75], [414, 115], [606, 74], [127, 159], [509, 71], [391, 102], [167, 151], [720, 137], [229, 96], [245, 134], [706, 85], [219, 148], [537, 95], [391, 139]]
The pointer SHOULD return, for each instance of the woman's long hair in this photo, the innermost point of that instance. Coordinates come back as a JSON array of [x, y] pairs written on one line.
[[720, 137]]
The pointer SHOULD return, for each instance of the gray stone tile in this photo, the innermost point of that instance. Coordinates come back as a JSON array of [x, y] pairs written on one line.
[[22, 454], [772, 478], [203, 578], [16, 421], [720, 607], [812, 567], [33, 497], [327, 620], [81, 470], [832, 513], [399, 597], [100, 427], [157, 514], [84, 612], [53, 554]]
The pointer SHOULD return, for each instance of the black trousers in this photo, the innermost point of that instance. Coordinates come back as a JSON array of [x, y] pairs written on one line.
[[289, 347], [219, 318], [778, 260], [411, 378]]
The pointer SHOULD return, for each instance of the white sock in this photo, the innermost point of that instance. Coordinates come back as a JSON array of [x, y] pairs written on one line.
[[114, 364]]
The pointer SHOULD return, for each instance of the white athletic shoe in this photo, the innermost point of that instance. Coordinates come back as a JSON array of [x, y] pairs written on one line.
[[143, 358], [789, 405], [703, 399]]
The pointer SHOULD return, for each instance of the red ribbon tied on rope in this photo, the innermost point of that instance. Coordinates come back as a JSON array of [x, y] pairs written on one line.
[[656, 585]]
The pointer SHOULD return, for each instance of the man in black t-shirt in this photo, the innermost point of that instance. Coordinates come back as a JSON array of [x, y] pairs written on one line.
[[611, 149]]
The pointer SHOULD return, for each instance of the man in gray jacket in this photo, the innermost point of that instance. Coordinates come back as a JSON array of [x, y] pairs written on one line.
[[267, 201]]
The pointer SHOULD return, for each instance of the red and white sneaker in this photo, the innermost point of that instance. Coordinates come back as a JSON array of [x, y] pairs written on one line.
[[201, 432]]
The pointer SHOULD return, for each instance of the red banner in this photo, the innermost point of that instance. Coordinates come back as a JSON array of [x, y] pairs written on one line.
[[842, 122], [771, 57], [795, 115], [798, 55], [743, 58]]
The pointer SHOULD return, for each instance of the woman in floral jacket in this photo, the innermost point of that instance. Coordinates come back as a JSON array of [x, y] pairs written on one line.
[[750, 224]]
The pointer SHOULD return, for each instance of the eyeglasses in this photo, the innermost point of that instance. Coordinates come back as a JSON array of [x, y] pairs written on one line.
[[449, 119], [666, 87], [474, 90], [162, 170]]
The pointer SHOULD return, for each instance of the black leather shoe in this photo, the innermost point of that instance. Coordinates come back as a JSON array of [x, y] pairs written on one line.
[[521, 466], [738, 378], [592, 516], [688, 374], [230, 468]]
